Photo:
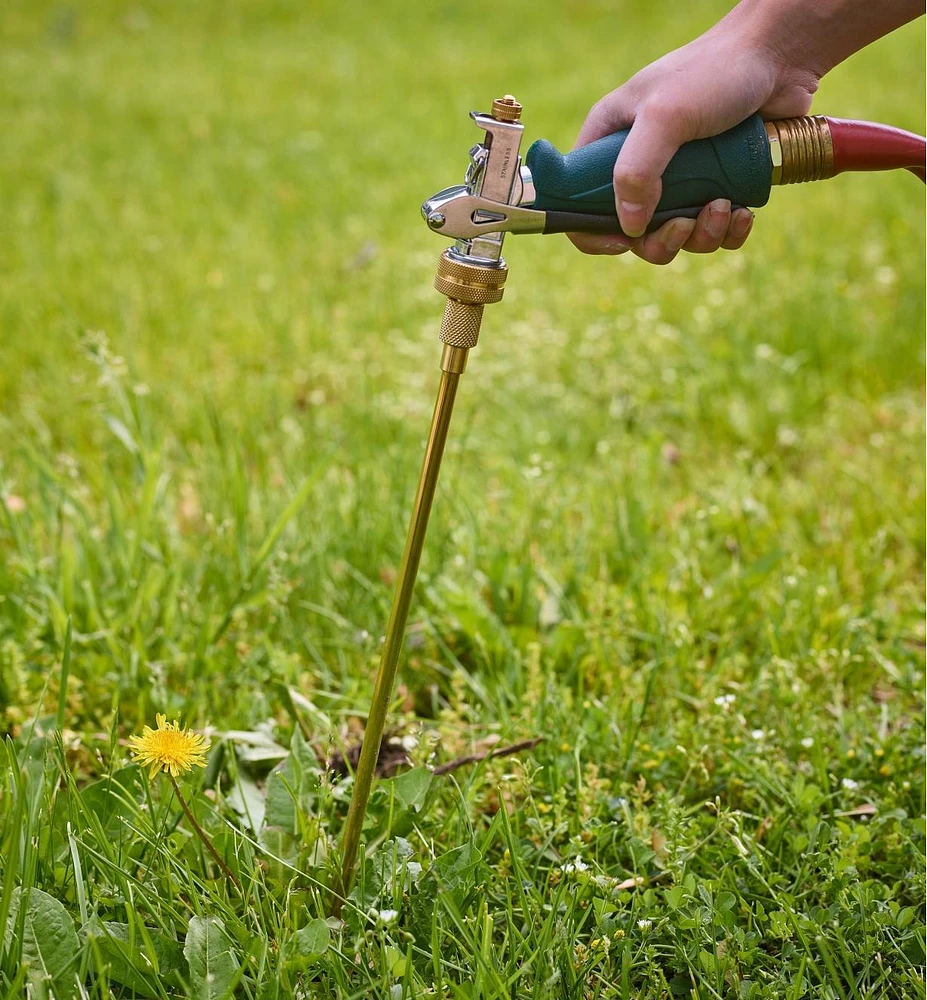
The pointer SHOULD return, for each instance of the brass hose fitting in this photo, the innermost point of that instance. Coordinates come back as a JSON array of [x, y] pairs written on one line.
[[468, 288], [802, 149]]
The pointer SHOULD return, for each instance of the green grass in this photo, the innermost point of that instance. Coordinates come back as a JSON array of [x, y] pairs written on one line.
[[680, 530]]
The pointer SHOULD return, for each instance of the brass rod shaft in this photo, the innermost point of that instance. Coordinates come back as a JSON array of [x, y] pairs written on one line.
[[395, 630]]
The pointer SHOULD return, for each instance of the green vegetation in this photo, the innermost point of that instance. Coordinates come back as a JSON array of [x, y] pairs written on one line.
[[680, 531]]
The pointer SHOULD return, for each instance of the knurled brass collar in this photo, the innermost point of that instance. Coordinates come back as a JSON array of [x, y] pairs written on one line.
[[469, 283], [506, 109]]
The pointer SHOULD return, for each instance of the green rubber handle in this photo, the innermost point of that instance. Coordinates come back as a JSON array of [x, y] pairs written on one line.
[[735, 165]]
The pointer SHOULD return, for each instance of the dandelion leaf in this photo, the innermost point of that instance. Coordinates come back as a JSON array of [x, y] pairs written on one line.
[[291, 786], [454, 870], [211, 959], [140, 965], [49, 942]]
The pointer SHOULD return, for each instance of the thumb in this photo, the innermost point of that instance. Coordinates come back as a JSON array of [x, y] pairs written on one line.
[[650, 145], [615, 111]]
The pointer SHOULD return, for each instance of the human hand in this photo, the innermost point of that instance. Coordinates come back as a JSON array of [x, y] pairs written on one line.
[[700, 90]]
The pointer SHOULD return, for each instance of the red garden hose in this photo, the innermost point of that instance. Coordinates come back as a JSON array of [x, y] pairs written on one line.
[[870, 146]]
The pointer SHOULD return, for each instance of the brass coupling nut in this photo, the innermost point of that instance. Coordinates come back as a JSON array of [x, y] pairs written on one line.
[[471, 283], [802, 149], [468, 288]]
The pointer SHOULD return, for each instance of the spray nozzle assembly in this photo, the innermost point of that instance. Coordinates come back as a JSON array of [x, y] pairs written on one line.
[[556, 193]]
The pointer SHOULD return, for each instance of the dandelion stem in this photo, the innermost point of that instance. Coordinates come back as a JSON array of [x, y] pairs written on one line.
[[201, 833]]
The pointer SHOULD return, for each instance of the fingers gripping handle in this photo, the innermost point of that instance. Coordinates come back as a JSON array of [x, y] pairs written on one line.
[[577, 222], [735, 165]]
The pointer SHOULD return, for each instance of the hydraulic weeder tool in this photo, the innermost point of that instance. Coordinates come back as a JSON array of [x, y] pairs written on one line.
[[555, 193]]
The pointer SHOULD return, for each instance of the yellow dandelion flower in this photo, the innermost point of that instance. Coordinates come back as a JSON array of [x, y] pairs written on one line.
[[169, 748]]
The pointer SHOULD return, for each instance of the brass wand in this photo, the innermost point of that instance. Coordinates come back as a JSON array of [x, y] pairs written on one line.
[[471, 274]]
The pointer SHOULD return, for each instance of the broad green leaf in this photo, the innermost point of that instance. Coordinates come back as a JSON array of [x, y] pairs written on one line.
[[49, 942], [248, 801], [412, 787], [455, 869], [136, 964], [296, 778], [676, 896], [212, 961], [312, 941], [279, 808]]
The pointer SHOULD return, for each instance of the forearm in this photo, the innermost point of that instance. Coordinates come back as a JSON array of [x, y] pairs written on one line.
[[817, 35]]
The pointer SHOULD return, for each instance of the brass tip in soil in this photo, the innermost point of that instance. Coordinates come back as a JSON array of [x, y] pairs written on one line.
[[506, 109], [802, 149]]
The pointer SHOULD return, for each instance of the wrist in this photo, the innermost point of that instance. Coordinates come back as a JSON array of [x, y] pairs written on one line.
[[776, 33]]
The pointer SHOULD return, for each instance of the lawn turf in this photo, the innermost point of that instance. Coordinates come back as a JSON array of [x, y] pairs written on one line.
[[679, 533]]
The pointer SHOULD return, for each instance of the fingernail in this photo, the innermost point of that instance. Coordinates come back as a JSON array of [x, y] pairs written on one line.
[[741, 225], [679, 231], [719, 212], [633, 217], [617, 246]]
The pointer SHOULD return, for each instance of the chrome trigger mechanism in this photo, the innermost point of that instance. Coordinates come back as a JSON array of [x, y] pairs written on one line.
[[479, 212], [455, 212]]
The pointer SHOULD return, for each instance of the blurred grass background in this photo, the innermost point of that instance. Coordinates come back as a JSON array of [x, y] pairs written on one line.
[[211, 246], [669, 484], [230, 194], [215, 282]]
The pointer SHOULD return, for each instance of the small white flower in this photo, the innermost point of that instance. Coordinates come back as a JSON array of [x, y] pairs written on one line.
[[849, 784], [387, 916], [644, 926], [725, 700], [808, 741], [577, 865]]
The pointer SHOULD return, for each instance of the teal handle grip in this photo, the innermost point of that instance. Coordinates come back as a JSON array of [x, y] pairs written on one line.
[[735, 165]]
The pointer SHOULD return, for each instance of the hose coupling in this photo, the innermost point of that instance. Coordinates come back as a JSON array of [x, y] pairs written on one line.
[[802, 149]]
